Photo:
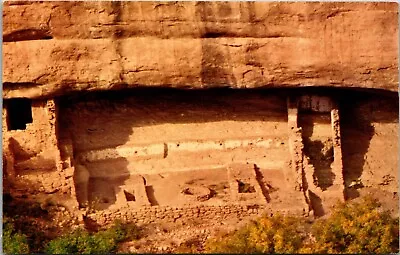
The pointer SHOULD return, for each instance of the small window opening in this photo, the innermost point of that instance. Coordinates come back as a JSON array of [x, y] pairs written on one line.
[[19, 113], [245, 187], [130, 196]]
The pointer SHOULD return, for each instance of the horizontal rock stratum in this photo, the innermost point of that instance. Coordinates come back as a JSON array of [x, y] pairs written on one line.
[[53, 48]]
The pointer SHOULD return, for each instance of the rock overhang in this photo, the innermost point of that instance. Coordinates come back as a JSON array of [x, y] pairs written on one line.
[[94, 46]]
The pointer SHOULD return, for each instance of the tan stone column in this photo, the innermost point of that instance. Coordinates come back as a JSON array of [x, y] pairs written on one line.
[[337, 165], [295, 143], [52, 113]]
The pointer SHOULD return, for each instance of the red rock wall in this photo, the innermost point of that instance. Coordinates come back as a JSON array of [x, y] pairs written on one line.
[[52, 48]]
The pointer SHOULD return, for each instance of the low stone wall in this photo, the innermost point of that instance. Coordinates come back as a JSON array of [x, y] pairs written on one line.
[[150, 214]]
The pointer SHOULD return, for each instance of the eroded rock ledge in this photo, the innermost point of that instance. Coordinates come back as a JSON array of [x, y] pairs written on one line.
[[53, 48]]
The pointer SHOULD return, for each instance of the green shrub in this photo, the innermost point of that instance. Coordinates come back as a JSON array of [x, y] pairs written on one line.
[[351, 228], [102, 242], [13, 242], [277, 234], [356, 228]]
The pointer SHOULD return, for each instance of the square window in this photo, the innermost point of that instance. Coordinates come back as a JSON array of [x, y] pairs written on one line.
[[19, 113]]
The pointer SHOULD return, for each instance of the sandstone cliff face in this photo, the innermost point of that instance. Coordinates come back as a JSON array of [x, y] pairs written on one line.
[[52, 48]]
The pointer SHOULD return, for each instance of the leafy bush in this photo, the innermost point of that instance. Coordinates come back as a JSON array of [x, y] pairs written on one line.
[[351, 228], [102, 242], [13, 242], [277, 234], [29, 219], [356, 228]]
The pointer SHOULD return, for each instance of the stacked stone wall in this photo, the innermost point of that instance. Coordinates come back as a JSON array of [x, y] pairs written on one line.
[[152, 214]]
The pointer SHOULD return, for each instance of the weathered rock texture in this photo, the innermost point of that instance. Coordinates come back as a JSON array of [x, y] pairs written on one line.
[[51, 48], [152, 154]]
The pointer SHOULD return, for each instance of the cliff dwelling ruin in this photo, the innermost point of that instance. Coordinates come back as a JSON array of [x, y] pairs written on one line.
[[199, 119], [146, 148]]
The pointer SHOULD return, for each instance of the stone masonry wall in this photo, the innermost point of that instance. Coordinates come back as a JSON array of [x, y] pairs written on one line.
[[38, 142], [148, 214], [32, 157]]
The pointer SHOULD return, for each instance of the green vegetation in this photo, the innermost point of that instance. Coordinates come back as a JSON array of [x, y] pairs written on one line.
[[79, 241], [356, 228], [13, 241], [352, 228], [277, 234], [362, 227], [102, 242], [25, 218]]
